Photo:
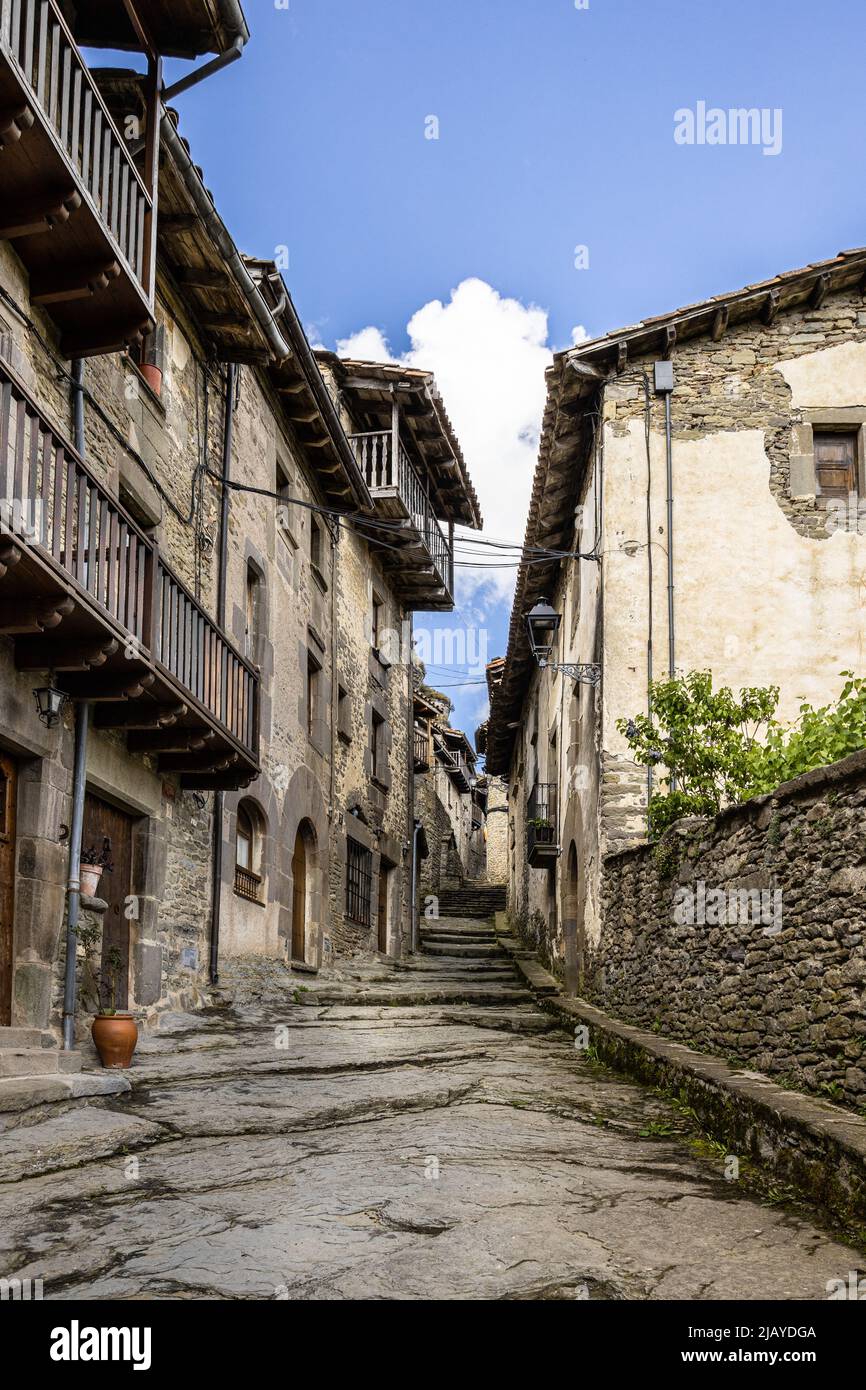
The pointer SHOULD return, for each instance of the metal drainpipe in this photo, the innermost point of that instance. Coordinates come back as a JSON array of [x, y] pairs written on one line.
[[670, 538], [415, 833], [670, 468], [219, 798], [410, 778], [79, 781]]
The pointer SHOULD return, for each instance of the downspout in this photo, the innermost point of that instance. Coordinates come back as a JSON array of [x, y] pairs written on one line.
[[416, 831], [79, 780], [192, 79], [649, 558], [219, 797], [410, 779], [670, 470]]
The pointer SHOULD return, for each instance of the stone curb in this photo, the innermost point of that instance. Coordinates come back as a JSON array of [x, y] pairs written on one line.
[[815, 1147]]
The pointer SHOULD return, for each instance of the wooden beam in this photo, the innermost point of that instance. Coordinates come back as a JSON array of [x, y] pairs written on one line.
[[207, 319], [10, 554], [14, 120], [771, 307], [175, 223], [200, 278], [44, 654], [621, 356], [172, 740], [820, 291], [100, 691], [720, 322], [670, 339], [39, 214], [197, 762], [82, 346], [121, 715], [61, 284], [39, 616]]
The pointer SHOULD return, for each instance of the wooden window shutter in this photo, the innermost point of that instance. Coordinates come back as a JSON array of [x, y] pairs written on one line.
[[835, 464]]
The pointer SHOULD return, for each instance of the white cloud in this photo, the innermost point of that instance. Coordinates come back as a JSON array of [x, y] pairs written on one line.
[[368, 345], [579, 335], [489, 355]]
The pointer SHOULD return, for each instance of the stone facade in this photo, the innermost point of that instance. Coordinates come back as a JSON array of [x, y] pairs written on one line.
[[301, 582], [767, 572], [691, 948], [496, 827]]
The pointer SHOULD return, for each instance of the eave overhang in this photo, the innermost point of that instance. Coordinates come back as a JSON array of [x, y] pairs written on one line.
[[178, 28]]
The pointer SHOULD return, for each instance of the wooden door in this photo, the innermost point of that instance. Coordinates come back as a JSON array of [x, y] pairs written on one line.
[[299, 899], [384, 885], [8, 804], [101, 821]]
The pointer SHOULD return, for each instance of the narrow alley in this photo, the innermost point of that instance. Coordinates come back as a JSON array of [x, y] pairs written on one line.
[[404, 1131]]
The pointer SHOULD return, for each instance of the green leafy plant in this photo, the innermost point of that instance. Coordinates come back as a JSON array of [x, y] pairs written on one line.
[[718, 749], [820, 736], [707, 741]]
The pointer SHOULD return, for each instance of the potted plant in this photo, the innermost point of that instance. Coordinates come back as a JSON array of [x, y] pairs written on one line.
[[114, 1034], [94, 863]]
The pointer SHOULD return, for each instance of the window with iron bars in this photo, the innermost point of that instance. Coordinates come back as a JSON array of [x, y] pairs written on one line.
[[359, 884]]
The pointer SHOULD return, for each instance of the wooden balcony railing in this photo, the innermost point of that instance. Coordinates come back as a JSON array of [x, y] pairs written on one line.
[[390, 473], [111, 570], [421, 740], [35, 38]]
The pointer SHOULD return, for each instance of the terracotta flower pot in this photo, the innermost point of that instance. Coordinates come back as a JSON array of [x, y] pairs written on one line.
[[90, 876], [153, 377], [115, 1037]]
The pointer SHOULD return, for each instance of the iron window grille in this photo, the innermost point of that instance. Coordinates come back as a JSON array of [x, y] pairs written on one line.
[[359, 884]]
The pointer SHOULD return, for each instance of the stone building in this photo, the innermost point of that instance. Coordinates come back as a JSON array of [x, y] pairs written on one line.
[[205, 554], [759, 580], [450, 798]]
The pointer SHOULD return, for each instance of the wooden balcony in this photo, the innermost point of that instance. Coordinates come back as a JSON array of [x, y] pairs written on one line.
[[84, 593], [71, 199], [423, 570], [542, 829], [421, 748]]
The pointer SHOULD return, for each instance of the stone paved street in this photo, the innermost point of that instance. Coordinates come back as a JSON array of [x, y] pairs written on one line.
[[402, 1143]]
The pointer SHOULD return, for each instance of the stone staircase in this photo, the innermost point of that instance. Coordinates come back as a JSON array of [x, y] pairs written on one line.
[[473, 899], [34, 1052], [38, 1079]]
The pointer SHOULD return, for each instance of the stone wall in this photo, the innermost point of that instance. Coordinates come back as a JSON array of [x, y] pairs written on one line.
[[496, 870], [744, 935]]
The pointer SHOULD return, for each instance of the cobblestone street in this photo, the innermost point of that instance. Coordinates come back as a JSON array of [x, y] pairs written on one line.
[[391, 1132]]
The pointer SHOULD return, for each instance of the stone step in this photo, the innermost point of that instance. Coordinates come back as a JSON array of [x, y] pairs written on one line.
[[23, 1099], [469, 937], [37, 1061], [20, 1039], [471, 952]]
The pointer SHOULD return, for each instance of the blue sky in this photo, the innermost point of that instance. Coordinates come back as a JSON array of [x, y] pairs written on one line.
[[556, 130]]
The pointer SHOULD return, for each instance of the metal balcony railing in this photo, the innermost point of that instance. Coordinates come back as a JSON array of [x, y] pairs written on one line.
[[542, 827]]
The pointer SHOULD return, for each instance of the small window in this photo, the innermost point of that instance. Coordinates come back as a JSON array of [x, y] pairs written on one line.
[[248, 878], [251, 621], [378, 750], [285, 514], [835, 464], [359, 881], [315, 543], [376, 622], [344, 714], [313, 679]]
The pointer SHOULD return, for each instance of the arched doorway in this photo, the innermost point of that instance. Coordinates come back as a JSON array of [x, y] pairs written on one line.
[[571, 907], [303, 866]]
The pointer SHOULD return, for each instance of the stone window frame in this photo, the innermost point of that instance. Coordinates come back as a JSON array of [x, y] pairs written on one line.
[[257, 868], [839, 420]]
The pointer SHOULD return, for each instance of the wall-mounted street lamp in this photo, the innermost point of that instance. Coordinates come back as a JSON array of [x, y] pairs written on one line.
[[542, 625], [50, 703]]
